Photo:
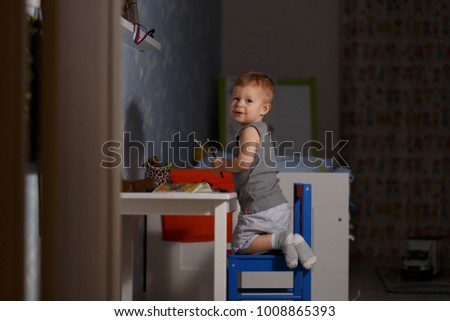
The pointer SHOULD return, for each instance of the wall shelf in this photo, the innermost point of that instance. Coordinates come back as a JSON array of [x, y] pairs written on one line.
[[127, 37]]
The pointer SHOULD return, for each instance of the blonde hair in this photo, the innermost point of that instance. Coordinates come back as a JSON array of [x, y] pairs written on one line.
[[258, 79]]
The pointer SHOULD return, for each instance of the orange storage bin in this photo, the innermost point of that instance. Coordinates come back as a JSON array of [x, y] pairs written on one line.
[[196, 228]]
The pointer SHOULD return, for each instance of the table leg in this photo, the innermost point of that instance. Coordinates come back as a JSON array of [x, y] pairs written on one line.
[[127, 260], [148, 258], [220, 247]]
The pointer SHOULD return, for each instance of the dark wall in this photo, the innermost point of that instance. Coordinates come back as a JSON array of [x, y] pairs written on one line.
[[172, 90]]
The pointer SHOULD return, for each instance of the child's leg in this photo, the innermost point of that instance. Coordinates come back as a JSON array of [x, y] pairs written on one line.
[[285, 242], [281, 241], [305, 254], [262, 243]]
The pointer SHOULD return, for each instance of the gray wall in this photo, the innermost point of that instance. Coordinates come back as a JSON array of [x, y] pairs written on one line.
[[287, 39], [175, 89]]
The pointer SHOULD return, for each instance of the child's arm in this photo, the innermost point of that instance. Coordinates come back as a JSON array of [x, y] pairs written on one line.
[[248, 143]]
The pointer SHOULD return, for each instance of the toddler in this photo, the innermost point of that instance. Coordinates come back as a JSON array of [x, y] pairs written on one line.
[[263, 223]]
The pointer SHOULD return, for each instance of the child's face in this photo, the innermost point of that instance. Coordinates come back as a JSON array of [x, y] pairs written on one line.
[[248, 104]]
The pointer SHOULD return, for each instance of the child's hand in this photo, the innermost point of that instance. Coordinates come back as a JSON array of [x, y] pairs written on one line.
[[218, 164]]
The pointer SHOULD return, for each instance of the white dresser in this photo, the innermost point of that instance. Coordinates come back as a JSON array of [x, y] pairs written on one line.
[[330, 202]]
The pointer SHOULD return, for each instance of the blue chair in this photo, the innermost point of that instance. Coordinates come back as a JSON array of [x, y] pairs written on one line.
[[274, 260]]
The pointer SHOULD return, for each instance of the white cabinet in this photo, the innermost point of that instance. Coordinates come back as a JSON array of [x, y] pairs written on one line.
[[330, 200]]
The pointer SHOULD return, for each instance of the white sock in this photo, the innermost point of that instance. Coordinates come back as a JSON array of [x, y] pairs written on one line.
[[285, 241], [305, 254]]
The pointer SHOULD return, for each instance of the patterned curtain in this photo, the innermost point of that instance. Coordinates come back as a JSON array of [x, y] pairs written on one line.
[[395, 112]]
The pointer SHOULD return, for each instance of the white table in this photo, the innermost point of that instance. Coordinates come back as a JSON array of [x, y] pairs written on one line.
[[214, 203]]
